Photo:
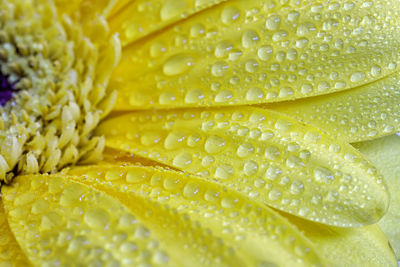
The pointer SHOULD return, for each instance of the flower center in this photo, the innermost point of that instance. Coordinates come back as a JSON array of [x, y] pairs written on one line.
[[6, 90], [61, 75]]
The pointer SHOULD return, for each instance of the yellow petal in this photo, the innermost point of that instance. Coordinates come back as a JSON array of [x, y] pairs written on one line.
[[363, 113], [141, 18], [256, 232], [10, 252], [384, 153], [262, 154], [59, 221], [257, 51], [358, 246]]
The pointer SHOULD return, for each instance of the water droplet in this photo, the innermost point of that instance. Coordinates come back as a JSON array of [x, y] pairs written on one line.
[[157, 49], [172, 8], [265, 52], [229, 15], [323, 175], [211, 195], [182, 160], [150, 138], [312, 136], [207, 161], [219, 69], [273, 22], [135, 176], [273, 172], [72, 194], [142, 232], [174, 140], [323, 86], [197, 30], [305, 29], [171, 183], [166, 98], [113, 175], [357, 76], [177, 64], [250, 168], [190, 190], [376, 70], [274, 194], [296, 187], [222, 49], [272, 153], [223, 96], [224, 171], [97, 218], [254, 94], [251, 65], [245, 150], [194, 96], [160, 258], [229, 202], [250, 38], [214, 144], [127, 221]]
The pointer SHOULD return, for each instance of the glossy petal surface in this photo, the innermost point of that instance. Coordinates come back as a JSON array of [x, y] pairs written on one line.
[[359, 246], [262, 154], [256, 51], [67, 222], [256, 232], [363, 113], [141, 18], [10, 252], [384, 153]]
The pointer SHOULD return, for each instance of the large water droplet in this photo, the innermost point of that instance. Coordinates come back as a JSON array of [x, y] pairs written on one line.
[[229, 15], [214, 144], [177, 64], [172, 8]]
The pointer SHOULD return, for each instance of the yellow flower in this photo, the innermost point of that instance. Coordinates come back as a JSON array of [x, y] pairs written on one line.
[[207, 159]]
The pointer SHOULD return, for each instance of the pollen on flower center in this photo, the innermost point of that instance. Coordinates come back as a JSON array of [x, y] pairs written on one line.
[[53, 89]]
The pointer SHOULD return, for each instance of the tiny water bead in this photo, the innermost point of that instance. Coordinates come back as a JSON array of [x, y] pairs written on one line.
[[290, 161], [290, 51], [209, 204]]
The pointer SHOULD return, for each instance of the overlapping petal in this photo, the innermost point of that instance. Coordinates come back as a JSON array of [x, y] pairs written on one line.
[[366, 112], [384, 153], [231, 164], [141, 18], [257, 234], [262, 154], [10, 252], [244, 52]]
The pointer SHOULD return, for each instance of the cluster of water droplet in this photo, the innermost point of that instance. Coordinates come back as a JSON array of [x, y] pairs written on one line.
[[230, 216], [253, 52], [356, 115], [57, 222], [259, 153]]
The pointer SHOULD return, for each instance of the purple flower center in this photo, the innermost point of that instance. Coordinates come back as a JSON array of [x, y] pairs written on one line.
[[6, 90]]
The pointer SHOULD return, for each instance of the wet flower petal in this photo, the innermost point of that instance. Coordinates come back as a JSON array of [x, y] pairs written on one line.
[[10, 252], [349, 246], [257, 232], [76, 223], [262, 154], [141, 18], [367, 112], [384, 153], [256, 51]]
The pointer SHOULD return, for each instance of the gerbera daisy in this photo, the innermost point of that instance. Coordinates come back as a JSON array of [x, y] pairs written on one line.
[[198, 132]]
